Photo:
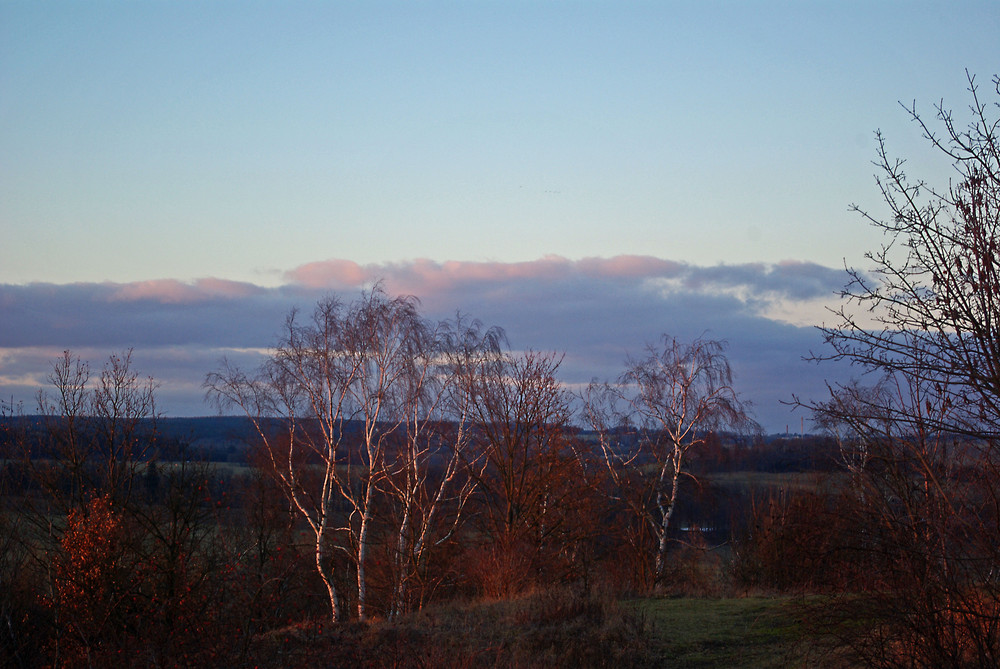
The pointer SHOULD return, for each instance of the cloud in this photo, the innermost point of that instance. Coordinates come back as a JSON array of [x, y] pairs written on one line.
[[139, 314], [786, 280], [629, 266], [422, 275], [171, 291], [329, 274], [596, 310]]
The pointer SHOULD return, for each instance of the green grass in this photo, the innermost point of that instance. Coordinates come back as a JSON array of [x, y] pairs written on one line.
[[751, 632]]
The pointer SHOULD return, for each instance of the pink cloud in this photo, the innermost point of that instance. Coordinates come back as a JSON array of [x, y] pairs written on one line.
[[227, 289], [630, 266], [172, 291], [423, 276], [427, 277], [328, 274]]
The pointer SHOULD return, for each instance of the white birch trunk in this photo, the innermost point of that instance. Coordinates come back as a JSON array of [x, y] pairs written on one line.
[[667, 513], [326, 575]]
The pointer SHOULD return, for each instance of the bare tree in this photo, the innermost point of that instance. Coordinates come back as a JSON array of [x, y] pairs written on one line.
[[430, 481], [521, 411], [530, 481], [352, 408], [331, 383], [663, 406], [855, 415], [933, 289], [97, 432], [924, 323], [106, 556]]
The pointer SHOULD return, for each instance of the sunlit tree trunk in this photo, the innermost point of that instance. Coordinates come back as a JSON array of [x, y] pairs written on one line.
[[437, 409], [667, 403], [337, 386]]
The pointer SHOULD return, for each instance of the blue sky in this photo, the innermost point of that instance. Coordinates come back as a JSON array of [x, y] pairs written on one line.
[[179, 147]]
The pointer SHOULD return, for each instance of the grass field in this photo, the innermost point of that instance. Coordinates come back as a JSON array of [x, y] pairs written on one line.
[[751, 632], [559, 629]]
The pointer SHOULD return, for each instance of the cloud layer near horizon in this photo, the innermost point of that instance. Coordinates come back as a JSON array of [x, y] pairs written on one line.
[[596, 310]]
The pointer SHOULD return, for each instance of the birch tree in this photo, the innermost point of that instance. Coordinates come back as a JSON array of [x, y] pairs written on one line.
[[432, 476], [358, 413], [324, 406], [662, 407]]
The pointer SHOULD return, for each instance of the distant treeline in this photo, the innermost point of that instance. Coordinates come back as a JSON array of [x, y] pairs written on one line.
[[228, 438]]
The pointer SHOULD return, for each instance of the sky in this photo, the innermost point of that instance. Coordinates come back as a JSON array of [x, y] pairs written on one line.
[[175, 176]]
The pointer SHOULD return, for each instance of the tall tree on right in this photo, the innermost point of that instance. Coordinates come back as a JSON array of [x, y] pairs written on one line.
[[922, 323]]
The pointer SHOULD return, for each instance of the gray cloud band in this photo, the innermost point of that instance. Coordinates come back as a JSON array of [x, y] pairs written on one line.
[[596, 310]]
